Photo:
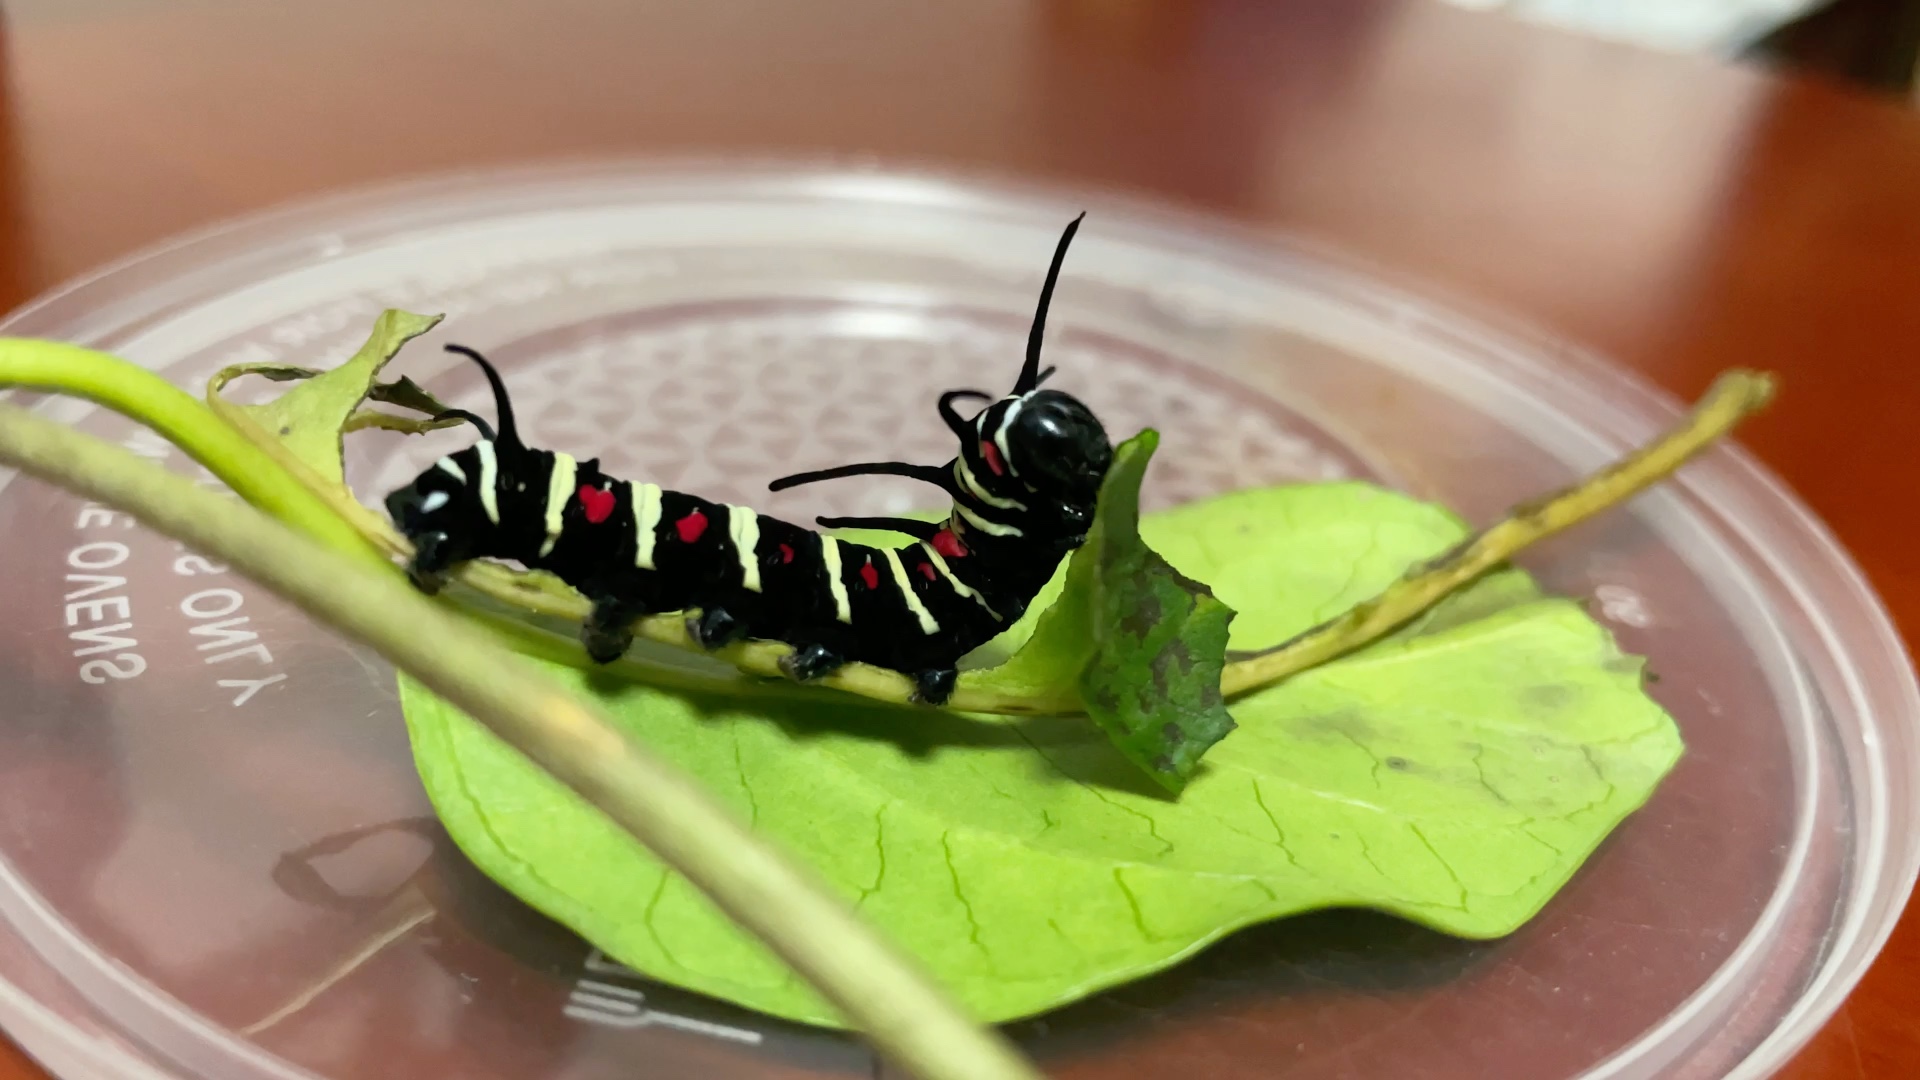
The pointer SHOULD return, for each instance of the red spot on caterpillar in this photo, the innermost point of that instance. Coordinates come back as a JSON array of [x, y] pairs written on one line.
[[992, 454], [948, 544], [597, 502], [786, 553], [691, 527], [869, 575], [926, 570]]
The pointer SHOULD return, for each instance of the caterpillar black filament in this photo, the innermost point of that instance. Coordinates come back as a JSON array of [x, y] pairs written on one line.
[[1023, 485]]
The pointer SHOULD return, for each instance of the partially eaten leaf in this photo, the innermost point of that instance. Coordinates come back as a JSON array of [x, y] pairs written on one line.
[[1138, 644], [1456, 774], [309, 420]]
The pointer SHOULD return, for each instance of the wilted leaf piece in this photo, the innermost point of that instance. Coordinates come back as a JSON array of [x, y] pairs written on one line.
[[1455, 774], [308, 420], [1158, 638], [1128, 638]]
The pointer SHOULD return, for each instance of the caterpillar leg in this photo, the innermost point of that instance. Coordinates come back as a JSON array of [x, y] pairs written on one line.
[[809, 662], [935, 685], [716, 628], [606, 633]]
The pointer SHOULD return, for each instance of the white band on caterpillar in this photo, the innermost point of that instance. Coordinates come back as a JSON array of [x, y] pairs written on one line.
[[646, 520]]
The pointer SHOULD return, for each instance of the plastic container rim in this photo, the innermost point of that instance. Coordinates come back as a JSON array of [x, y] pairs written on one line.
[[1618, 407]]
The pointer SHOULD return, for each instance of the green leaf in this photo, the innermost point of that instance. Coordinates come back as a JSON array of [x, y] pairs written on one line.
[[309, 419], [1140, 644], [1455, 774]]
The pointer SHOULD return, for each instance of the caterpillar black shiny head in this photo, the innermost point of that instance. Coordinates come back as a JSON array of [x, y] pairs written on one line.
[[1030, 463], [1047, 440], [1024, 486], [452, 511]]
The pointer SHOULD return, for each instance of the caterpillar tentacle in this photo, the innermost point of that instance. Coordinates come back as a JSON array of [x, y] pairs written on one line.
[[1023, 483], [927, 473], [919, 530], [486, 429], [952, 418]]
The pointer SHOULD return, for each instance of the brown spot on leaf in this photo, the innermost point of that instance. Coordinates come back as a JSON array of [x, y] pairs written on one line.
[[1182, 656], [1145, 615], [1398, 764], [1335, 727], [1163, 763], [1104, 699], [1197, 588], [1157, 668], [1147, 702], [1549, 697], [1172, 734]]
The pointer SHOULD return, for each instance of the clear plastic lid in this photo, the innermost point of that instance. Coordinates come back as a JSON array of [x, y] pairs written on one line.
[[216, 860]]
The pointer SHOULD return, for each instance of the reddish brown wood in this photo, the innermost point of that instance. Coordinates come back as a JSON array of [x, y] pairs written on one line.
[[1681, 216], [15, 1065]]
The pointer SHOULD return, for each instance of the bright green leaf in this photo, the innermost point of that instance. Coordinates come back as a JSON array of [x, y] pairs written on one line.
[[1455, 774]]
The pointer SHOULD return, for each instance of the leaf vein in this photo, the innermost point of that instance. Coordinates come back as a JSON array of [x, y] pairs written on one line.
[[959, 893], [880, 854], [1452, 874], [646, 917], [1279, 834], [1133, 904], [740, 768], [1153, 829]]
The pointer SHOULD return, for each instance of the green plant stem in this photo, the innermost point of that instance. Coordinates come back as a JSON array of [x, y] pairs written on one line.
[[144, 396], [908, 1018], [1733, 397]]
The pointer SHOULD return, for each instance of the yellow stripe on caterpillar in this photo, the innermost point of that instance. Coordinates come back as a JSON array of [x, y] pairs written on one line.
[[928, 624], [743, 526], [559, 493], [830, 557], [646, 521]]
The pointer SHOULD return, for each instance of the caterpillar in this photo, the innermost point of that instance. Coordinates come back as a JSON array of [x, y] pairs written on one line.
[[1024, 485]]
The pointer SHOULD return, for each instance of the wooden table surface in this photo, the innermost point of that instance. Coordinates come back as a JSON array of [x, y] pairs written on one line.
[[1679, 215]]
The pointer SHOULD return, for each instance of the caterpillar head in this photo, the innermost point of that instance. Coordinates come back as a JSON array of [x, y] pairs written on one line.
[[1036, 458], [1055, 445], [431, 503], [1038, 448], [451, 507]]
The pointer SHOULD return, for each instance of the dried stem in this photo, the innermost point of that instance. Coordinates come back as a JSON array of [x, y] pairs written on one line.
[[1733, 397]]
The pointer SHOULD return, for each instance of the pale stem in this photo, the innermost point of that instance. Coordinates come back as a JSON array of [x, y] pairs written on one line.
[[908, 1018]]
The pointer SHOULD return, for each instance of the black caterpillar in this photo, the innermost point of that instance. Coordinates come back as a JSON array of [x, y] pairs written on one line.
[[1024, 486]]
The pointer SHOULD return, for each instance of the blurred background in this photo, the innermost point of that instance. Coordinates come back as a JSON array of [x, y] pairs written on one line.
[[1622, 173], [1867, 41], [1872, 42]]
